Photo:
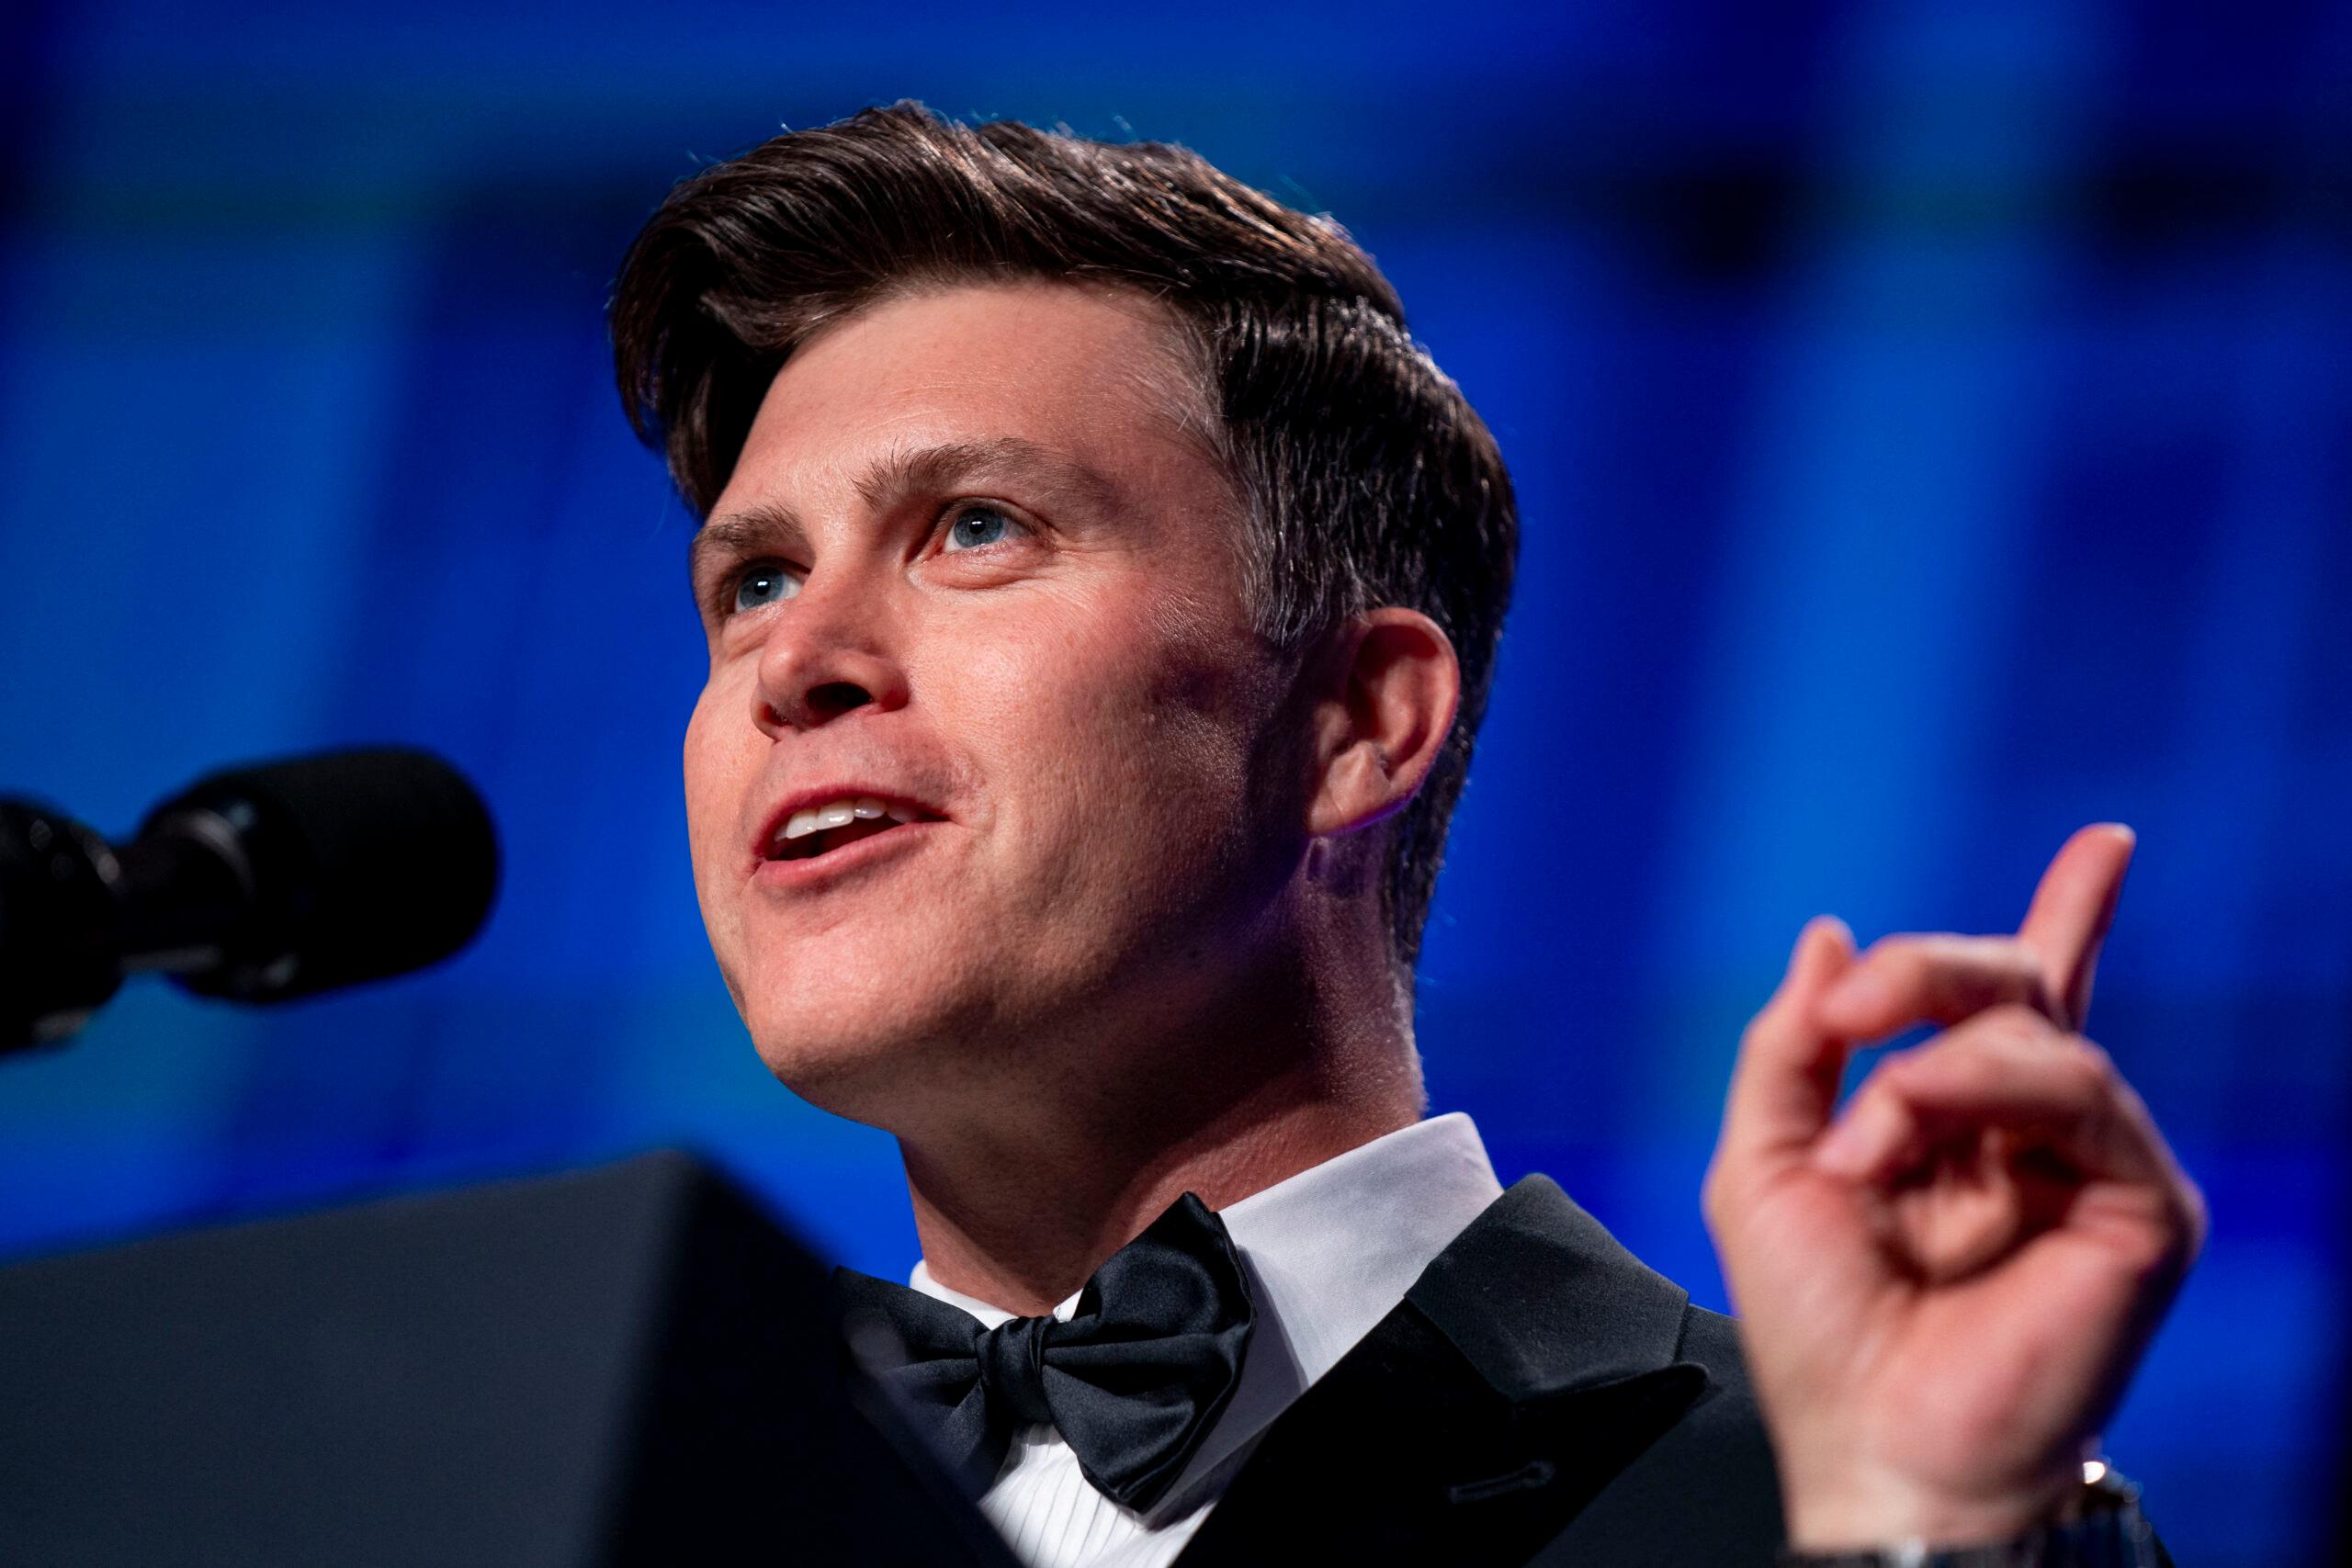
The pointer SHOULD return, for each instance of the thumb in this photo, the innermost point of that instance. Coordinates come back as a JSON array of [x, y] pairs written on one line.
[[1785, 1085]]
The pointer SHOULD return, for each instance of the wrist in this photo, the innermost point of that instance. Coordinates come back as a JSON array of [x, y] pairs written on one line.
[[1863, 1507], [1860, 1523], [2096, 1525]]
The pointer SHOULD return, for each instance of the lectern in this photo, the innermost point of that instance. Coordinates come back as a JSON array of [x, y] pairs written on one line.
[[624, 1366]]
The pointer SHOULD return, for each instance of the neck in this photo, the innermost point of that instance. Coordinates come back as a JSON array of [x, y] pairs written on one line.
[[1018, 1213]]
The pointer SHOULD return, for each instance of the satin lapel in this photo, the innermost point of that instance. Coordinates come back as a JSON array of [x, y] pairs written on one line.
[[1531, 1362]]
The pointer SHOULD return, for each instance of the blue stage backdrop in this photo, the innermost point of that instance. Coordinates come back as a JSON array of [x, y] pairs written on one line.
[[1932, 428]]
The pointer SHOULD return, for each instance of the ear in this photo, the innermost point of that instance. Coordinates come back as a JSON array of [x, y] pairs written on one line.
[[1389, 689]]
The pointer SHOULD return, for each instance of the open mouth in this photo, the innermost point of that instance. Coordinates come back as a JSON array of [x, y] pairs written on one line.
[[817, 832]]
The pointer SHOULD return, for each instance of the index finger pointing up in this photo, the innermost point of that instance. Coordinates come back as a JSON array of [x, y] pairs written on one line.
[[2071, 912]]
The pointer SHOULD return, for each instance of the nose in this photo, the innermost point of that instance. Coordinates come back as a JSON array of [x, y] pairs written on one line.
[[827, 656]]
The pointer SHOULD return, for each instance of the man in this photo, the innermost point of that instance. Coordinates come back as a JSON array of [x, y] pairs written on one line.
[[1101, 593]]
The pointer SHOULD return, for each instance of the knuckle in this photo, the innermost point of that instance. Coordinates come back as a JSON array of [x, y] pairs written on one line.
[[1955, 1063], [2197, 1218], [2016, 959], [1895, 942], [2010, 1024], [1901, 954], [1713, 1201], [2004, 960], [1901, 958], [2091, 1071], [1910, 1075], [1901, 1066], [2030, 982], [2004, 972], [2094, 1059], [2001, 954]]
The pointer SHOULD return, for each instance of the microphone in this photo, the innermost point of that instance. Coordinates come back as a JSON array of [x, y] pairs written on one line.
[[259, 884]]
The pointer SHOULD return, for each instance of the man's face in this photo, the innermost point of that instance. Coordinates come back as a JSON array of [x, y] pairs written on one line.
[[971, 565]]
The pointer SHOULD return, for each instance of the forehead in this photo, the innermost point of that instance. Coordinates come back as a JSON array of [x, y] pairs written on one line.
[[1098, 375]]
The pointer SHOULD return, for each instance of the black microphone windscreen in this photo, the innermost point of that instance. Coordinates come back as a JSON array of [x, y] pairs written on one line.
[[359, 865]]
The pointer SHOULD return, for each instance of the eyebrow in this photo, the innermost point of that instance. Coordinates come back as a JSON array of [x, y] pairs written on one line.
[[909, 471]]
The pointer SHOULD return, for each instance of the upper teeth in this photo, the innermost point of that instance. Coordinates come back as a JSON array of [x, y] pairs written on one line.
[[839, 813]]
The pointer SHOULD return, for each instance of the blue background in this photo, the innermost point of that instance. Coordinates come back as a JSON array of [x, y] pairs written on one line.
[[1932, 430]]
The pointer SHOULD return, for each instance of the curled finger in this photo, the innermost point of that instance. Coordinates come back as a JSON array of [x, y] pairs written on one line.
[[2008, 1070], [1905, 980]]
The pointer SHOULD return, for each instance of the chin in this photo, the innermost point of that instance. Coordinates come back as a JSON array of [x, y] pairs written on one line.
[[870, 1059]]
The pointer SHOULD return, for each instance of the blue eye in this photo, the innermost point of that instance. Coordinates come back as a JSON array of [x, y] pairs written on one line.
[[764, 583], [977, 527]]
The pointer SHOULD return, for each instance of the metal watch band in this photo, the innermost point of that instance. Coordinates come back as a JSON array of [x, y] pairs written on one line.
[[2103, 1529]]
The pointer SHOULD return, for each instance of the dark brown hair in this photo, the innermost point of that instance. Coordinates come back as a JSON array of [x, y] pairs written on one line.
[[1370, 479]]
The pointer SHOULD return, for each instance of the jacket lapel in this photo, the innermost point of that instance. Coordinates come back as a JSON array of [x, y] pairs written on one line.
[[1528, 1364]]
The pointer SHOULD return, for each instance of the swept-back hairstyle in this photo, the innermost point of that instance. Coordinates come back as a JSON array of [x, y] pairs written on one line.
[[1369, 478]]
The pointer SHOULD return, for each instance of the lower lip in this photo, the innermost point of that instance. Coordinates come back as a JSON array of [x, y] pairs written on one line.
[[818, 870]]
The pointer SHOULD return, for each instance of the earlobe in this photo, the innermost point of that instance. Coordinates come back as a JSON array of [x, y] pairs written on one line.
[[1386, 708]]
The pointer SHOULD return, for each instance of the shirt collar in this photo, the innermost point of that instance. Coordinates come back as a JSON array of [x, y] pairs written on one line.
[[1328, 1253], [1334, 1247]]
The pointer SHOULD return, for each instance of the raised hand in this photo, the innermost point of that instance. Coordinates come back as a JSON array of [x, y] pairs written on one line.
[[1944, 1288]]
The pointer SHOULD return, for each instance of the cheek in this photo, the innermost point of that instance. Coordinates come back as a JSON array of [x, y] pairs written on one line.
[[1099, 704], [1118, 746], [712, 769]]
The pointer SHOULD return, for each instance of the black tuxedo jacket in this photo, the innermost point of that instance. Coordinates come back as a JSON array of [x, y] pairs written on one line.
[[1540, 1396]]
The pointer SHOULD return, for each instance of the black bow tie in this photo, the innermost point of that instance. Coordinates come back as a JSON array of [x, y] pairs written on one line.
[[1133, 1382]]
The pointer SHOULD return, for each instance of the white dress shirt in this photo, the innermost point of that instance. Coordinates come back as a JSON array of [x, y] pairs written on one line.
[[1327, 1254]]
